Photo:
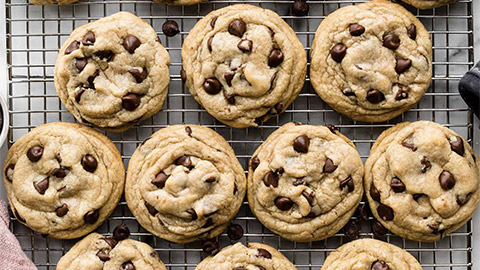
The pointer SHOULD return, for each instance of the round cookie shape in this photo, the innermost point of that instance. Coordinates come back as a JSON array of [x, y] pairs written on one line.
[[371, 61], [244, 64], [252, 256], [113, 72], [370, 254], [184, 183], [179, 2], [426, 4], [305, 182], [422, 180], [99, 252], [63, 180]]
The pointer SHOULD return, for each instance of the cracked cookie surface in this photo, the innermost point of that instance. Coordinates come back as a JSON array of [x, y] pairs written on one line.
[[253, 256], [370, 254], [184, 183], [422, 180], [113, 72], [63, 179], [244, 64], [371, 61], [97, 252], [305, 182]]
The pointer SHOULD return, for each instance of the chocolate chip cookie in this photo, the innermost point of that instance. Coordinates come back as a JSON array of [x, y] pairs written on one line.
[[179, 2], [372, 61], [305, 182], [370, 254], [118, 252], [63, 179], [253, 256], [422, 180], [425, 4], [113, 72], [184, 183], [244, 64]]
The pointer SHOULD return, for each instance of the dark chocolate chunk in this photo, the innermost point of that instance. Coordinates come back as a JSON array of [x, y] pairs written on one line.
[[426, 164], [88, 39], [103, 256], [80, 63], [397, 185], [401, 95], [60, 172], [89, 163], [391, 41], [192, 213], [380, 265], [300, 8], [348, 182], [374, 96], [105, 55], [356, 29], [283, 203], [237, 28], [402, 65], [160, 180], [374, 193], [270, 179], [457, 146], [210, 245], [378, 230], [463, 199], [91, 216], [75, 45], [127, 266], [254, 162], [229, 77], [212, 86], [352, 229], [301, 143], [139, 76], [447, 181], [329, 166], [412, 31], [121, 232], [170, 28], [35, 153], [130, 102], [184, 161], [131, 43], [338, 52], [264, 253], [42, 185], [385, 212], [151, 210], [234, 231], [245, 45], [275, 58], [62, 210]]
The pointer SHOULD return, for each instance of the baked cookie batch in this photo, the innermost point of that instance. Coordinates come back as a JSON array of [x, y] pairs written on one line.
[[244, 64]]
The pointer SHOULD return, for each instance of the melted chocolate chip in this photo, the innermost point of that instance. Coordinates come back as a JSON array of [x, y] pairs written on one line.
[[213, 21], [127, 266], [426, 164], [7, 172], [349, 93], [60, 172], [356, 29], [412, 31], [42, 185], [121, 232], [75, 45], [130, 102], [300, 8], [184, 161], [397, 185], [245, 45], [188, 130], [329, 166], [91, 79], [463, 199], [378, 230], [352, 229], [229, 77], [208, 223], [91, 216], [139, 76], [401, 95], [447, 181], [402, 65], [417, 196], [301, 143], [309, 196], [348, 183], [234, 231], [283, 203], [80, 63], [264, 253], [208, 246], [35, 153], [237, 28], [62, 210], [385, 212], [209, 44], [229, 97], [391, 41], [212, 86], [110, 241], [380, 265], [89, 163], [88, 39], [183, 75], [409, 145], [105, 55], [151, 210], [374, 193], [338, 52], [254, 162], [275, 58], [103, 256], [374, 96], [270, 179], [79, 93], [170, 28], [131, 43], [457, 146], [364, 212]]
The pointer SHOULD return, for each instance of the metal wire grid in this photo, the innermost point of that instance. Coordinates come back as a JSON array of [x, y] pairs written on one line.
[[35, 33]]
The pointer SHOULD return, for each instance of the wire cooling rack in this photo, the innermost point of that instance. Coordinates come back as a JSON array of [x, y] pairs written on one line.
[[35, 33]]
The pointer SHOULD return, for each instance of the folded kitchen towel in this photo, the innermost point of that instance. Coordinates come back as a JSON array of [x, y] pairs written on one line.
[[11, 254]]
